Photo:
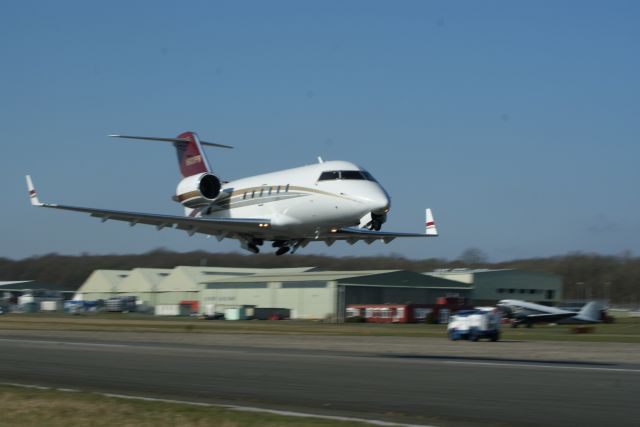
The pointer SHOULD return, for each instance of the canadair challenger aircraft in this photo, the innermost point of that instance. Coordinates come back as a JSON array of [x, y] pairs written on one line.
[[327, 201]]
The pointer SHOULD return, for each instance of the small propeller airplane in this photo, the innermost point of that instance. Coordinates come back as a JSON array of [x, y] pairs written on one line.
[[527, 313], [327, 201]]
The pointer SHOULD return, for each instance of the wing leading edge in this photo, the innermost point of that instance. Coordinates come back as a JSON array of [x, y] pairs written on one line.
[[352, 235], [221, 227]]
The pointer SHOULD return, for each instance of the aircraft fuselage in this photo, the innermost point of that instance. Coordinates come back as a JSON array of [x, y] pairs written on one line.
[[297, 200]]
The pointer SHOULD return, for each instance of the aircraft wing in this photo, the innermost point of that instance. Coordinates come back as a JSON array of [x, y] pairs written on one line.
[[353, 235], [224, 227], [549, 317]]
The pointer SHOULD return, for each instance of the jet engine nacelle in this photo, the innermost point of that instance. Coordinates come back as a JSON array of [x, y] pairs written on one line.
[[198, 190]]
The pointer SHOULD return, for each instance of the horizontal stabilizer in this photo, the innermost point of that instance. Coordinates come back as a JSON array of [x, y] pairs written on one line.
[[153, 138]]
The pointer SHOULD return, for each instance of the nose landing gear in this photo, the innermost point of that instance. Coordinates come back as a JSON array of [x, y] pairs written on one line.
[[376, 221]]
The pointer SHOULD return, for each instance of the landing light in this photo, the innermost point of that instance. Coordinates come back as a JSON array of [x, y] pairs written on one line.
[[263, 225], [334, 230]]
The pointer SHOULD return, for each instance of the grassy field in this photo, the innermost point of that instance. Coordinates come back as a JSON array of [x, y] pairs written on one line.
[[624, 330], [36, 407]]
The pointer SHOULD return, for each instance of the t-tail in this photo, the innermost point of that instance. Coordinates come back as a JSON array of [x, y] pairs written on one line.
[[199, 186], [192, 159]]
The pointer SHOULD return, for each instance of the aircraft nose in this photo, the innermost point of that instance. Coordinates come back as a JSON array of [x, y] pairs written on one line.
[[380, 201]]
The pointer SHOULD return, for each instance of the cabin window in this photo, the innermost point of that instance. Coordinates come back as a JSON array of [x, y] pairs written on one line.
[[286, 189], [253, 193], [278, 190], [261, 192], [244, 196], [270, 188]]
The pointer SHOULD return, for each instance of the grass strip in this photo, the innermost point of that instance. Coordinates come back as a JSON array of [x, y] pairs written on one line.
[[27, 407], [623, 331]]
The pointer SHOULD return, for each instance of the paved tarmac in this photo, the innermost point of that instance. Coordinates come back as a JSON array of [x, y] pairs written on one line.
[[404, 380]]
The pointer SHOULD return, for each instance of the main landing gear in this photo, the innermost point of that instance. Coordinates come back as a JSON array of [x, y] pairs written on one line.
[[285, 246], [283, 250], [252, 245]]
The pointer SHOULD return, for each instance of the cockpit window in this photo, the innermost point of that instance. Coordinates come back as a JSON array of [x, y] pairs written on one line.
[[329, 175], [333, 175], [368, 176], [351, 175]]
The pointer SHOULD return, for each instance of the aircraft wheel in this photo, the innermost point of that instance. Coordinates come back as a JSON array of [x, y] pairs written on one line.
[[283, 250]]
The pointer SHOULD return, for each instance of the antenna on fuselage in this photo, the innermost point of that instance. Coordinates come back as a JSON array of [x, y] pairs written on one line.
[[320, 160]]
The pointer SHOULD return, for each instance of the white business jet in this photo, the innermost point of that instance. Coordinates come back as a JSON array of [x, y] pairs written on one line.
[[327, 201]]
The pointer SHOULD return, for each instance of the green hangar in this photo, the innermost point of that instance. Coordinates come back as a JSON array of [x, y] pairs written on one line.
[[310, 293], [307, 292], [491, 286]]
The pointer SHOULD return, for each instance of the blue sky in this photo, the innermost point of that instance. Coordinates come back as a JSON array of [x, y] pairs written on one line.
[[517, 122]]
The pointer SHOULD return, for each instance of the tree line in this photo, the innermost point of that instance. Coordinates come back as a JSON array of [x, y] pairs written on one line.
[[585, 276]]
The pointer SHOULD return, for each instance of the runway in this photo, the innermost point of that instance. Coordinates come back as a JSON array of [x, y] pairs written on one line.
[[437, 390]]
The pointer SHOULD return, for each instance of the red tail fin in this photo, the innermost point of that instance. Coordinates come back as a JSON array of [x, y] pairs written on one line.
[[191, 156]]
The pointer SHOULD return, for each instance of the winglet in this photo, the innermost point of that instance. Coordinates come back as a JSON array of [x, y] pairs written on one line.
[[430, 224], [32, 192]]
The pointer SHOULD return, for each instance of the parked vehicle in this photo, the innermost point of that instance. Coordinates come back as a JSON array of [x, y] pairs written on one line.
[[123, 304], [474, 325]]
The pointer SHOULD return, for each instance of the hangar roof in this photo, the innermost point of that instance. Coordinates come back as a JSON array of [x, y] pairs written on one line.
[[395, 278], [189, 279], [484, 275], [143, 280], [404, 279], [22, 285], [304, 276], [103, 280], [13, 284]]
